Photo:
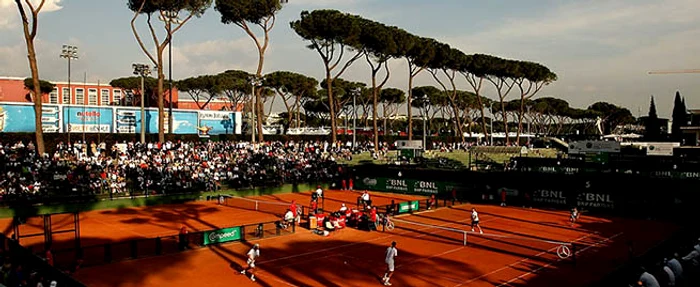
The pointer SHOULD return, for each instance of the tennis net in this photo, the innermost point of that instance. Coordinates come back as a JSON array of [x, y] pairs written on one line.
[[276, 208], [518, 245]]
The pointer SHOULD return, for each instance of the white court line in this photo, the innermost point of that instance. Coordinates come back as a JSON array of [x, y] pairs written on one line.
[[521, 261], [550, 264], [356, 243]]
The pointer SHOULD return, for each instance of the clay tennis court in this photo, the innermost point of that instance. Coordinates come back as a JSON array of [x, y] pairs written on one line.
[[115, 225], [428, 256]]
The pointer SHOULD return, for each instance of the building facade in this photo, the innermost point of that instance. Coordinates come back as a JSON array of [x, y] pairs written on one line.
[[12, 90]]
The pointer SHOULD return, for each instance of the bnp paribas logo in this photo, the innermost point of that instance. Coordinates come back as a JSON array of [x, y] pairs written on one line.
[[369, 181]]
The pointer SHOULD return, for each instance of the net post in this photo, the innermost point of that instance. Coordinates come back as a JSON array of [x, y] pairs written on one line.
[[465, 238]]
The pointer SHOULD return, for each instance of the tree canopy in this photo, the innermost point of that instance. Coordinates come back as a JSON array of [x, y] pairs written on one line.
[[44, 86]]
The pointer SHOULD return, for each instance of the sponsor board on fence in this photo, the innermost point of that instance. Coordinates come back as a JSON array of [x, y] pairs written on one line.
[[222, 235], [584, 147], [406, 185], [554, 197], [409, 206], [595, 200]]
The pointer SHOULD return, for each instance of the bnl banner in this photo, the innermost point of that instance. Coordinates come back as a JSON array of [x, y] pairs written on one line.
[[20, 118]]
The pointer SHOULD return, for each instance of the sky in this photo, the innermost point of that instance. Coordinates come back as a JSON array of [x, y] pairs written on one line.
[[601, 50]]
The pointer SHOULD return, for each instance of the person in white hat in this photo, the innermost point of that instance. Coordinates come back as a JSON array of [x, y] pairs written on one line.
[[253, 254]]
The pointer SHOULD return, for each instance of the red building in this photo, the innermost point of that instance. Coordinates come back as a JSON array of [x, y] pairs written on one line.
[[12, 90]]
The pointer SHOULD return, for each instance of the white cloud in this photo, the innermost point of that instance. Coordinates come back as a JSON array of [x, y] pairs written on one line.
[[9, 14], [215, 56]]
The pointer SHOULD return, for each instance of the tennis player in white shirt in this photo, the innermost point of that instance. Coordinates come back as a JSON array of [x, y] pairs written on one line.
[[475, 221], [391, 253], [253, 254]]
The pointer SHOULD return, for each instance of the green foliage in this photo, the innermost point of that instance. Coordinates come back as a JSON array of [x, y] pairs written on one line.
[[44, 86], [679, 117], [612, 115], [392, 95], [134, 83], [234, 81], [434, 96], [652, 126], [325, 28], [253, 11], [195, 7], [291, 83]]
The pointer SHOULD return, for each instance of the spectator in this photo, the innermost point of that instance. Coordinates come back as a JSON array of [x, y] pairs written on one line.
[[648, 280]]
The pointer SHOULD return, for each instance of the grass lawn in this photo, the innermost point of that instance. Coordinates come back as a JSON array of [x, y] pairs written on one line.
[[461, 156]]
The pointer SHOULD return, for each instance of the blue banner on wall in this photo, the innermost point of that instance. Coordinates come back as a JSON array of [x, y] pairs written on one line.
[[87, 119], [18, 118], [184, 123]]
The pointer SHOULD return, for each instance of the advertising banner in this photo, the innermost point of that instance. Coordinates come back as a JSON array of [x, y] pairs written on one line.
[[184, 122], [222, 235], [51, 119], [126, 118], [550, 197], [16, 118], [584, 147], [406, 185], [88, 119], [409, 206], [19, 118], [216, 122]]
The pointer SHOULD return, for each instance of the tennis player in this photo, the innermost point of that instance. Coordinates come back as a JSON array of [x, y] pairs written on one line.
[[253, 254], [391, 253], [475, 221], [574, 215]]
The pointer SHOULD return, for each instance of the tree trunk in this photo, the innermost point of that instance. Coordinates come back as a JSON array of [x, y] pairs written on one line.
[[161, 105], [39, 133], [521, 113], [385, 116], [375, 96], [409, 99], [331, 105], [504, 115]]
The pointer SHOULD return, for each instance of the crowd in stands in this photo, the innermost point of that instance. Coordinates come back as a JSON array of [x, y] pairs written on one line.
[[680, 269], [89, 169], [15, 274]]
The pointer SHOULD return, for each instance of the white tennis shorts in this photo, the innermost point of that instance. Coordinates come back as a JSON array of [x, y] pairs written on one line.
[[251, 263], [390, 265]]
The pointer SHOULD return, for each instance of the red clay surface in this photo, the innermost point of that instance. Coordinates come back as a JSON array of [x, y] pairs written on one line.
[[427, 256], [115, 225]]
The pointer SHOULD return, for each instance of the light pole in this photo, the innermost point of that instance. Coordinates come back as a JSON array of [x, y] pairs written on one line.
[[425, 119], [355, 92], [143, 71], [254, 81], [491, 123], [170, 17], [528, 120], [69, 52]]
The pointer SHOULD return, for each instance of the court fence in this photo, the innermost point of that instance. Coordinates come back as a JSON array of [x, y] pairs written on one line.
[[141, 248], [31, 262]]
